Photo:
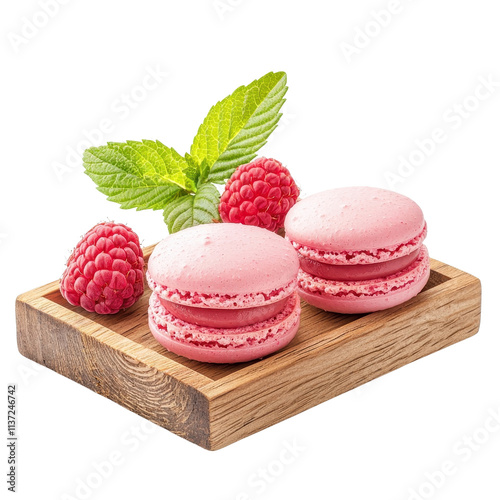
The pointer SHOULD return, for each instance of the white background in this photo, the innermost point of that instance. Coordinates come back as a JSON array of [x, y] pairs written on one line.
[[346, 122]]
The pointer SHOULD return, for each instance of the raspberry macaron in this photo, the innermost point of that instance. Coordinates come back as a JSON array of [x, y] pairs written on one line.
[[360, 249], [224, 293]]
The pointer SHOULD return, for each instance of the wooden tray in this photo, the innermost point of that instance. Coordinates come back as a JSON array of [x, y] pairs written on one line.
[[216, 405]]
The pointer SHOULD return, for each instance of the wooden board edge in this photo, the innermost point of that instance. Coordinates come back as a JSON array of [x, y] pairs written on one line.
[[249, 398], [32, 327], [64, 316], [39, 292], [126, 380], [450, 271]]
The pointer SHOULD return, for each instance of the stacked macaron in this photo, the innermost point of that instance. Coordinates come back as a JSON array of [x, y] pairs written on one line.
[[360, 249], [224, 293]]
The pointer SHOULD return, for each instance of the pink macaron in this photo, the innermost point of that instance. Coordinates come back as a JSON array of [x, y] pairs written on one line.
[[224, 293], [360, 249]]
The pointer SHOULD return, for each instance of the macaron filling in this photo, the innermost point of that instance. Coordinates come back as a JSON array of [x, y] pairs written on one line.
[[389, 284], [246, 336], [356, 272], [223, 318]]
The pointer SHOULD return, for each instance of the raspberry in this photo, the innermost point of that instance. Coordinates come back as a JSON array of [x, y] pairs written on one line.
[[259, 194], [104, 274]]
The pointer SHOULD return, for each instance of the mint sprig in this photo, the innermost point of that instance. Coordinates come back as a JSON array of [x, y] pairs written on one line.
[[239, 125], [150, 175]]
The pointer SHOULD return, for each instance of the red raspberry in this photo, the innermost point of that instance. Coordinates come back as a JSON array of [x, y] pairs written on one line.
[[105, 271], [259, 194]]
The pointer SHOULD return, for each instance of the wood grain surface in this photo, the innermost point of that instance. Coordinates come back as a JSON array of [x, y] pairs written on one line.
[[216, 405]]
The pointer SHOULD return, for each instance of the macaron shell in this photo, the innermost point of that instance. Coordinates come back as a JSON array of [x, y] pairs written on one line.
[[353, 297], [362, 257], [229, 355], [224, 259], [222, 301], [354, 219], [224, 345]]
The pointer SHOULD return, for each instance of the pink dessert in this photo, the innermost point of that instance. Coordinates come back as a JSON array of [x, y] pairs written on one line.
[[360, 249], [224, 293]]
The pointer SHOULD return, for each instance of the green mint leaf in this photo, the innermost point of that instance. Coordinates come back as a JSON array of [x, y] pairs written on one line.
[[142, 175], [197, 173], [172, 165], [239, 125], [193, 209], [204, 172]]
